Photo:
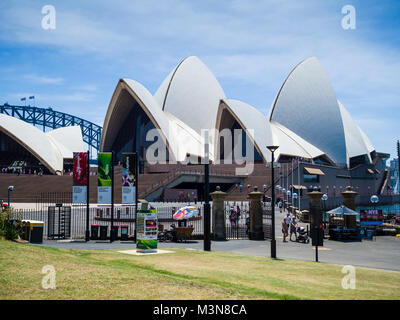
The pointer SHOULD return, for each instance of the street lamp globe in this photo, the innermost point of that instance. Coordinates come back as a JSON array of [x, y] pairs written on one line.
[[374, 199], [294, 195], [324, 197]]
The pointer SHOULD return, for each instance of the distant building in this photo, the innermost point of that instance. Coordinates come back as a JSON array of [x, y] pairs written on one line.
[[23, 146], [394, 176], [305, 120]]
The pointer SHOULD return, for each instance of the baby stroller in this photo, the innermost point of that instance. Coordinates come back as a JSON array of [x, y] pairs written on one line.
[[302, 235]]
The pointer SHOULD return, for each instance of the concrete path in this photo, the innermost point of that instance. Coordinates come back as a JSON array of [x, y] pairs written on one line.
[[382, 253]]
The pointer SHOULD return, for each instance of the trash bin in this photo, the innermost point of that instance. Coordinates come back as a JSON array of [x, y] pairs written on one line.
[[369, 234], [34, 229], [103, 232], [94, 232], [124, 232], [115, 228]]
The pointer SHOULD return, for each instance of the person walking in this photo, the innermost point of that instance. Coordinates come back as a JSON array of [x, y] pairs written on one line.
[[247, 225], [284, 230], [288, 219], [293, 228]]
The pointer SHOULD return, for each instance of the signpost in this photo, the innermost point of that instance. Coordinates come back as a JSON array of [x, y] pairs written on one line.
[[371, 217], [147, 230], [317, 237]]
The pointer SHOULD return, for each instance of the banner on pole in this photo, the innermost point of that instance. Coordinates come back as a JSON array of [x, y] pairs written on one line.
[[104, 178], [80, 171], [128, 178]]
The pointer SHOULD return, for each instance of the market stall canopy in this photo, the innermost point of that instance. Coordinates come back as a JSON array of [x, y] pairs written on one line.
[[314, 171], [299, 187], [343, 210], [186, 213]]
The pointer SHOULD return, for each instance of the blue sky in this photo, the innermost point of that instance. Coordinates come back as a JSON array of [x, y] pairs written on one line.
[[250, 46]]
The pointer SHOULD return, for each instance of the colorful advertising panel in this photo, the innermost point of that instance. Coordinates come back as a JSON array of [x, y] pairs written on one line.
[[147, 229], [128, 178], [371, 217], [80, 173], [104, 177]]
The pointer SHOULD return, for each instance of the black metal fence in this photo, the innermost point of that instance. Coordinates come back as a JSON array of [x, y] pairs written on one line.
[[237, 220], [237, 217]]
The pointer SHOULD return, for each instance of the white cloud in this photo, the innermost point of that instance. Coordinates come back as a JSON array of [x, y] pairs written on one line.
[[43, 79], [251, 46]]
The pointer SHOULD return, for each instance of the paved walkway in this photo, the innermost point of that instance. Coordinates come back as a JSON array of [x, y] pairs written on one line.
[[382, 253]]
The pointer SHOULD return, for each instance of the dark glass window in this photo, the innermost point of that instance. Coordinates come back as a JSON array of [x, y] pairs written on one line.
[[132, 135], [311, 177], [12, 152]]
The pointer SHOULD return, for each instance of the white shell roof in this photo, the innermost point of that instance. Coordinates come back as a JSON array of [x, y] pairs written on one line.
[[305, 120], [356, 143], [253, 122], [192, 94], [179, 138], [307, 105], [48, 148], [291, 144], [68, 140]]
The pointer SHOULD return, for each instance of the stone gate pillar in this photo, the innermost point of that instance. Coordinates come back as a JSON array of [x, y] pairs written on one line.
[[218, 214], [256, 219], [349, 198], [315, 208]]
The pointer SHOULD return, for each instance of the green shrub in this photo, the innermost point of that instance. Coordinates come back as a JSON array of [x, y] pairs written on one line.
[[10, 224]]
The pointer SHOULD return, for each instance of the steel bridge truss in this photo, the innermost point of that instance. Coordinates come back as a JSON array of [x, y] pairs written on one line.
[[48, 118]]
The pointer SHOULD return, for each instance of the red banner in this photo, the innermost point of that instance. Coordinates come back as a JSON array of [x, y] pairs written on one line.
[[80, 168]]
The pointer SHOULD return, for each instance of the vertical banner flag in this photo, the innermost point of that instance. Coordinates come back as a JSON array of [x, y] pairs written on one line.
[[79, 187], [128, 178], [104, 178]]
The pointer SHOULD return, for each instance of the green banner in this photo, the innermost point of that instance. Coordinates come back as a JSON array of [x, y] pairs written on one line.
[[104, 177]]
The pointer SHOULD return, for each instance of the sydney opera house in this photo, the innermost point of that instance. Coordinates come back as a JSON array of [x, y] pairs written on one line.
[[167, 128], [23, 146], [306, 121]]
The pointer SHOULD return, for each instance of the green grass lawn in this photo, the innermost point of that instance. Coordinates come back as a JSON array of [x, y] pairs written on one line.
[[183, 274]]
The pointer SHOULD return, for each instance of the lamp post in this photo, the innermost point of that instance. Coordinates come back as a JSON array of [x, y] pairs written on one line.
[[324, 198], [374, 200], [279, 189], [273, 241], [288, 193], [334, 194], [207, 219], [10, 188], [87, 232], [294, 196], [265, 190]]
